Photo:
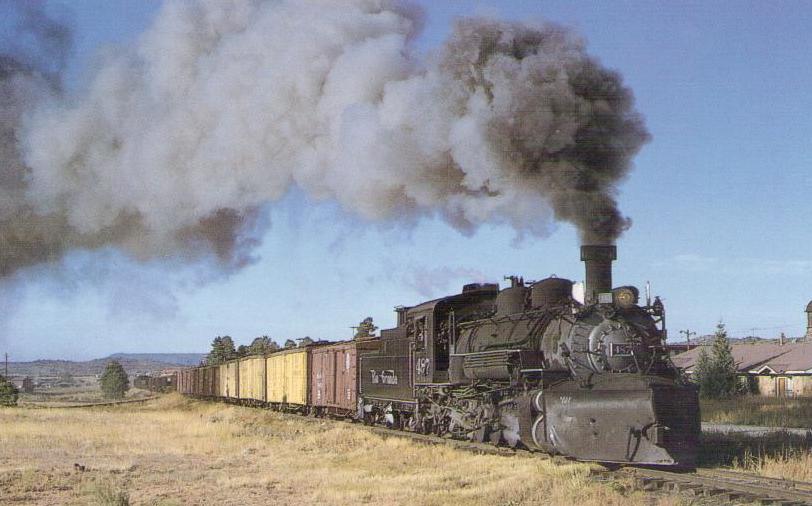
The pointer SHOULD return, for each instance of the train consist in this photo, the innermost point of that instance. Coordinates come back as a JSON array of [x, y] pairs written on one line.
[[526, 366], [160, 383]]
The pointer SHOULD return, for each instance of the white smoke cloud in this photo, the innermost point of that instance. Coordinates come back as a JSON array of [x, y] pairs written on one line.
[[437, 281], [223, 106]]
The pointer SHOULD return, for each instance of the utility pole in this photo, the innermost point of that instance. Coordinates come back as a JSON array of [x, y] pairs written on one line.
[[6, 364], [688, 335]]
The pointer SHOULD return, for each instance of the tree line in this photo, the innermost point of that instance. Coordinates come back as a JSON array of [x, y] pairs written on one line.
[[223, 348]]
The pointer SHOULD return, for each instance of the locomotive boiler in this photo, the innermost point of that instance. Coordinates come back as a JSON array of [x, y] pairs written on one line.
[[530, 366]]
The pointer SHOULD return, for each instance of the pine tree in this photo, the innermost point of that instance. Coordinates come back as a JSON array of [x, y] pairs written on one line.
[[114, 381], [716, 373], [702, 369], [262, 346], [222, 350], [228, 350], [8, 392], [290, 343]]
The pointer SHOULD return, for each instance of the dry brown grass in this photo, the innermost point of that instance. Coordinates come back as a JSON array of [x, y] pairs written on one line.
[[791, 465], [85, 390], [759, 410], [176, 451]]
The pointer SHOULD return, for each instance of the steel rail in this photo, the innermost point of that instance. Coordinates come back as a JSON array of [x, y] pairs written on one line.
[[89, 404], [732, 487]]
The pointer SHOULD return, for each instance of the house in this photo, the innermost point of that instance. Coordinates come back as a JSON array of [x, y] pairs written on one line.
[[781, 370]]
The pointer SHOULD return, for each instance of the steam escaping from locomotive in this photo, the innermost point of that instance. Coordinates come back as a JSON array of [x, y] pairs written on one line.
[[181, 142]]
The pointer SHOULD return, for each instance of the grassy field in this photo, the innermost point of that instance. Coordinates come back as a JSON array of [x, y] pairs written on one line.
[[777, 455], [176, 451], [85, 390], [757, 410]]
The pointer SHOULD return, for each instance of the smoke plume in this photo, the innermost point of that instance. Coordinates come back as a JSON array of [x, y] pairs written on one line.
[[222, 106]]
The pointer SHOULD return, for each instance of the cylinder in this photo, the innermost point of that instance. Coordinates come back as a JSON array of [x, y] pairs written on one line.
[[598, 262]]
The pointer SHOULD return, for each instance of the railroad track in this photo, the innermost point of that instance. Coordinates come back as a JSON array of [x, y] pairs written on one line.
[[728, 486], [717, 485], [89, 404]]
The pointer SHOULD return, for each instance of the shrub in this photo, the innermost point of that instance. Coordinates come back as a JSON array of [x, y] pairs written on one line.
[[8, 392], [114, 381]]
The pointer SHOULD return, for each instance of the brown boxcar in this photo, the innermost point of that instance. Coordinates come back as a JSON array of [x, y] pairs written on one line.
[[182, 375], [333, 379], [196, 383], [210, 381]]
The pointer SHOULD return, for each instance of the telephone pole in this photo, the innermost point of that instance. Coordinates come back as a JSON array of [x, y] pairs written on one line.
[[6, 365], [688, 335]]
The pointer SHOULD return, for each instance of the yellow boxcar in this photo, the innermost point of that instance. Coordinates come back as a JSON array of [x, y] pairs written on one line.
[[222, 378], [252, 378], [287, 376], [230, 379]]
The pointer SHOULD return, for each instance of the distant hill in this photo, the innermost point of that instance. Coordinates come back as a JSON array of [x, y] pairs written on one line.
[[133, 363], [187, 359]]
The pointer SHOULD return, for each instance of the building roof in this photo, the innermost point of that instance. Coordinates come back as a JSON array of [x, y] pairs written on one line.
[[809, 307], [770, 358]]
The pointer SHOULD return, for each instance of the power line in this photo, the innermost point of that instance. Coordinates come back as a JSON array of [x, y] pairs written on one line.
[[688, 334]]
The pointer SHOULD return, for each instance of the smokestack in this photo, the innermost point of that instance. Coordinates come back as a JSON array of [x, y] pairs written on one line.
[[598, 260]]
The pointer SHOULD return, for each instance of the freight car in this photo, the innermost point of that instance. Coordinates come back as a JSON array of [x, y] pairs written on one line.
[[161, 383], [334, 377], [527, 366]]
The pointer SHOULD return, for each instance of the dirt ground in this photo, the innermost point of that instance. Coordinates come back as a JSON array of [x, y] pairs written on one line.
[[176, 451]]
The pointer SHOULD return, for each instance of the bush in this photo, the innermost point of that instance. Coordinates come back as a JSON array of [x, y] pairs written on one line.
[[8, 392], [114, 381]]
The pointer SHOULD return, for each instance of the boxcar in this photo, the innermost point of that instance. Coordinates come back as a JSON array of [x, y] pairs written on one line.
[[210, 381], [141, 381], [183, 374], [222, 377], [333, 377], [230, 379], [252, 378], [288, 377], [197, 381]]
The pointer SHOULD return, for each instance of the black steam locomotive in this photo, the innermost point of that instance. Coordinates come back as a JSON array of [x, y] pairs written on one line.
[[530, 366]]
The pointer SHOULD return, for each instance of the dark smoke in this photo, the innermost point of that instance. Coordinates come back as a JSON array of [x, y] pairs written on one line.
[[566, 125], [222, 107]]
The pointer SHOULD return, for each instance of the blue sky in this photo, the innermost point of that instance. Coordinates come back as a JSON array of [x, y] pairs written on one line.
[[720, 201]]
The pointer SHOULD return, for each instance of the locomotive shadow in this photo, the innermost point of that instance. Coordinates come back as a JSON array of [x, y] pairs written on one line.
[[719, 449]]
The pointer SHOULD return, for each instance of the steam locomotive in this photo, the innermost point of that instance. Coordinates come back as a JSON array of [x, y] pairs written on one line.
[[530, 366], [527, 366]]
